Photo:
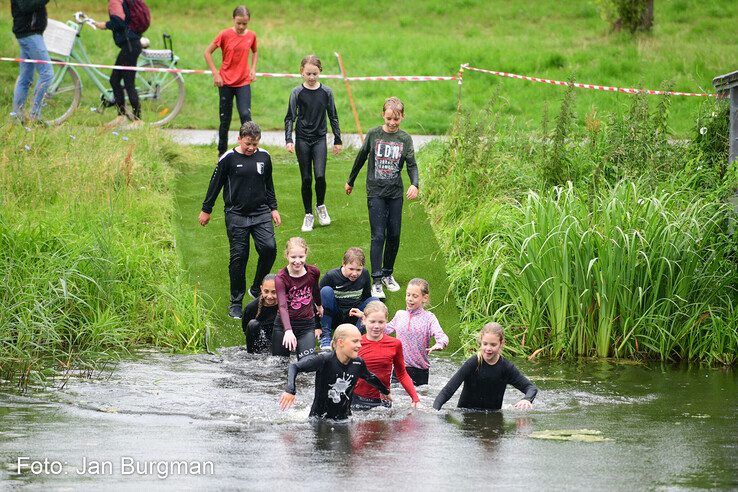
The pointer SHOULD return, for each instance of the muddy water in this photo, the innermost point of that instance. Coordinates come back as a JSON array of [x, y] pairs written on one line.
[[212, 422]]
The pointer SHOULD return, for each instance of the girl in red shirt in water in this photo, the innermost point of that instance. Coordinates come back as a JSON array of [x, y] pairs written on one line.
[[235, 75], [381, 353]]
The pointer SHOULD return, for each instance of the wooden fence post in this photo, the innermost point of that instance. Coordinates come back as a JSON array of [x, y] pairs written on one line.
[[351, 97]]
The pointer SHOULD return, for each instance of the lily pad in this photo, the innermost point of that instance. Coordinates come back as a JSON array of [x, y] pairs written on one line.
[[582, 435]]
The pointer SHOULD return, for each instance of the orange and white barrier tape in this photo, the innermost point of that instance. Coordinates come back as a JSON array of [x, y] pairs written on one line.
[[626, 90], [392, 78]]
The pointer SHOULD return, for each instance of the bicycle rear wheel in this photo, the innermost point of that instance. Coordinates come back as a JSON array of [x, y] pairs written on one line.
[[62, 97], [161, 94]]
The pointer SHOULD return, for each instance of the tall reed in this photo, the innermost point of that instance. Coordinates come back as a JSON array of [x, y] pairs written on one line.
[[631, 259]]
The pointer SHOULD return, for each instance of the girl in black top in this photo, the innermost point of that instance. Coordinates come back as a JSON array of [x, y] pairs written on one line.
[[258, 317], [486, 375], [336, 374], [309, 103]]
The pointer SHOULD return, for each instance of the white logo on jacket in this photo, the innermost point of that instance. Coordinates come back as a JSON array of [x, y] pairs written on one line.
[[260, 167]]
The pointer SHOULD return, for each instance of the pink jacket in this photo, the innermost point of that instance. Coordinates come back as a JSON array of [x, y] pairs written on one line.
[[415, 329]]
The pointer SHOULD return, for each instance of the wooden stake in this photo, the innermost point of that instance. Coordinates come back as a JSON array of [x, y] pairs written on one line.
[[350, 96]]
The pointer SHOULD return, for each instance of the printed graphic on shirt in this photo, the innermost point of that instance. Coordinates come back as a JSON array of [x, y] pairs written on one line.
[[339, 388], [260, 167], [387, 156], [300, 297]]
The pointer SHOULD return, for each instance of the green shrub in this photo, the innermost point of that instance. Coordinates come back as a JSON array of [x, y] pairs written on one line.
[[88, 268]]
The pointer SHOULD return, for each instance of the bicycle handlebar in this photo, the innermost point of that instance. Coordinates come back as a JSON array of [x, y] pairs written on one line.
[[81, 18]]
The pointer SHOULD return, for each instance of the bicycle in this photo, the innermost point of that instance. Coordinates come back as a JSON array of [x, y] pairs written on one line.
[[161, 94]]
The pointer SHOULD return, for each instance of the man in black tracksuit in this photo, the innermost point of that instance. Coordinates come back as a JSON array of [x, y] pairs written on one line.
[[245, 175]]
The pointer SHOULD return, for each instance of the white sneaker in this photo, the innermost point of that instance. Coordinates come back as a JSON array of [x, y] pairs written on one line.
[[323, 218], [377, 291], [391, 283], [307, 223]]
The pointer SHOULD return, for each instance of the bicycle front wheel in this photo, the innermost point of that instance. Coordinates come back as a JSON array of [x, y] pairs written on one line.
[[161, 94], [62, 97]]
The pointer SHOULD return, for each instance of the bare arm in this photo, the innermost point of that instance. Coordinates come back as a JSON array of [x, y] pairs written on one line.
[[217, 80]]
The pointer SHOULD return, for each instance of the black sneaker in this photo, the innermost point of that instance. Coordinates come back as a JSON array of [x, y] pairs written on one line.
[[253, 295], [235, 311]]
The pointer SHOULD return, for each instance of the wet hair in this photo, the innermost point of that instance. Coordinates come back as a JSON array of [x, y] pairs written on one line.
[[490, 328], [422, 284], [375, 306], [295, 242], [267, 278], [342, 331], [354, 255], [249, 129], [241, 11], [394, 104], [312, 60]]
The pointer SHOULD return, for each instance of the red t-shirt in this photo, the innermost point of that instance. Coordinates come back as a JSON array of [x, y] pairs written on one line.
[[380, 357], [235, 70]]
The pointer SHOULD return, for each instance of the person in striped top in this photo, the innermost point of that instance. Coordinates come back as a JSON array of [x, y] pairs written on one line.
[[415, 327]]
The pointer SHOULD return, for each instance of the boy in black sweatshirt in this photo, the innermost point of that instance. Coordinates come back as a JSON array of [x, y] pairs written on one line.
[[245, 175]]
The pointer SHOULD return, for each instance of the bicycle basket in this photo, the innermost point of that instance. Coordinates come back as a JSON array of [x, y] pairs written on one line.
[[59, 37]]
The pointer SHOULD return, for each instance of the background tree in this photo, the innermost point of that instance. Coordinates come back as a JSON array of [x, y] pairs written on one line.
[[633, 15]]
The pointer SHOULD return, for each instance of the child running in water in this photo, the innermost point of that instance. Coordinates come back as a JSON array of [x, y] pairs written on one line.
[[486, 375], [258, 317], [298, 297], [344, 292], [235, 75], [309, 103], [415, 327], [382, 354], [388, 148], [336, 375]]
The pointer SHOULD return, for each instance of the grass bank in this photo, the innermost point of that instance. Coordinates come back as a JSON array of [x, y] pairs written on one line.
[[600, 239], [692, 42], [204, 250], [88, 267]]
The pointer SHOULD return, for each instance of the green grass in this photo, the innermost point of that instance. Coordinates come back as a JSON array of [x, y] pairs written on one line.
[[88, 269], [692, 42], [204, 251]]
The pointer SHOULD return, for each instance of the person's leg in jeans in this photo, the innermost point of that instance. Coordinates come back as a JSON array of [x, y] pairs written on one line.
[[330, 310], [320, 155], [304, 151], [392, 243], [32, 47], [243, 102], [226, 112], [238, 238], [25, 77], [378, 226], [266, 248]]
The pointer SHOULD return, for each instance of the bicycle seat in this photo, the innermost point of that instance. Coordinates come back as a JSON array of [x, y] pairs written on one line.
[[157, 54]]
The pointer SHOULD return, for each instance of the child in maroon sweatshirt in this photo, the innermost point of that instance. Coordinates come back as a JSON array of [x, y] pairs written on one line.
[[298, 298]]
